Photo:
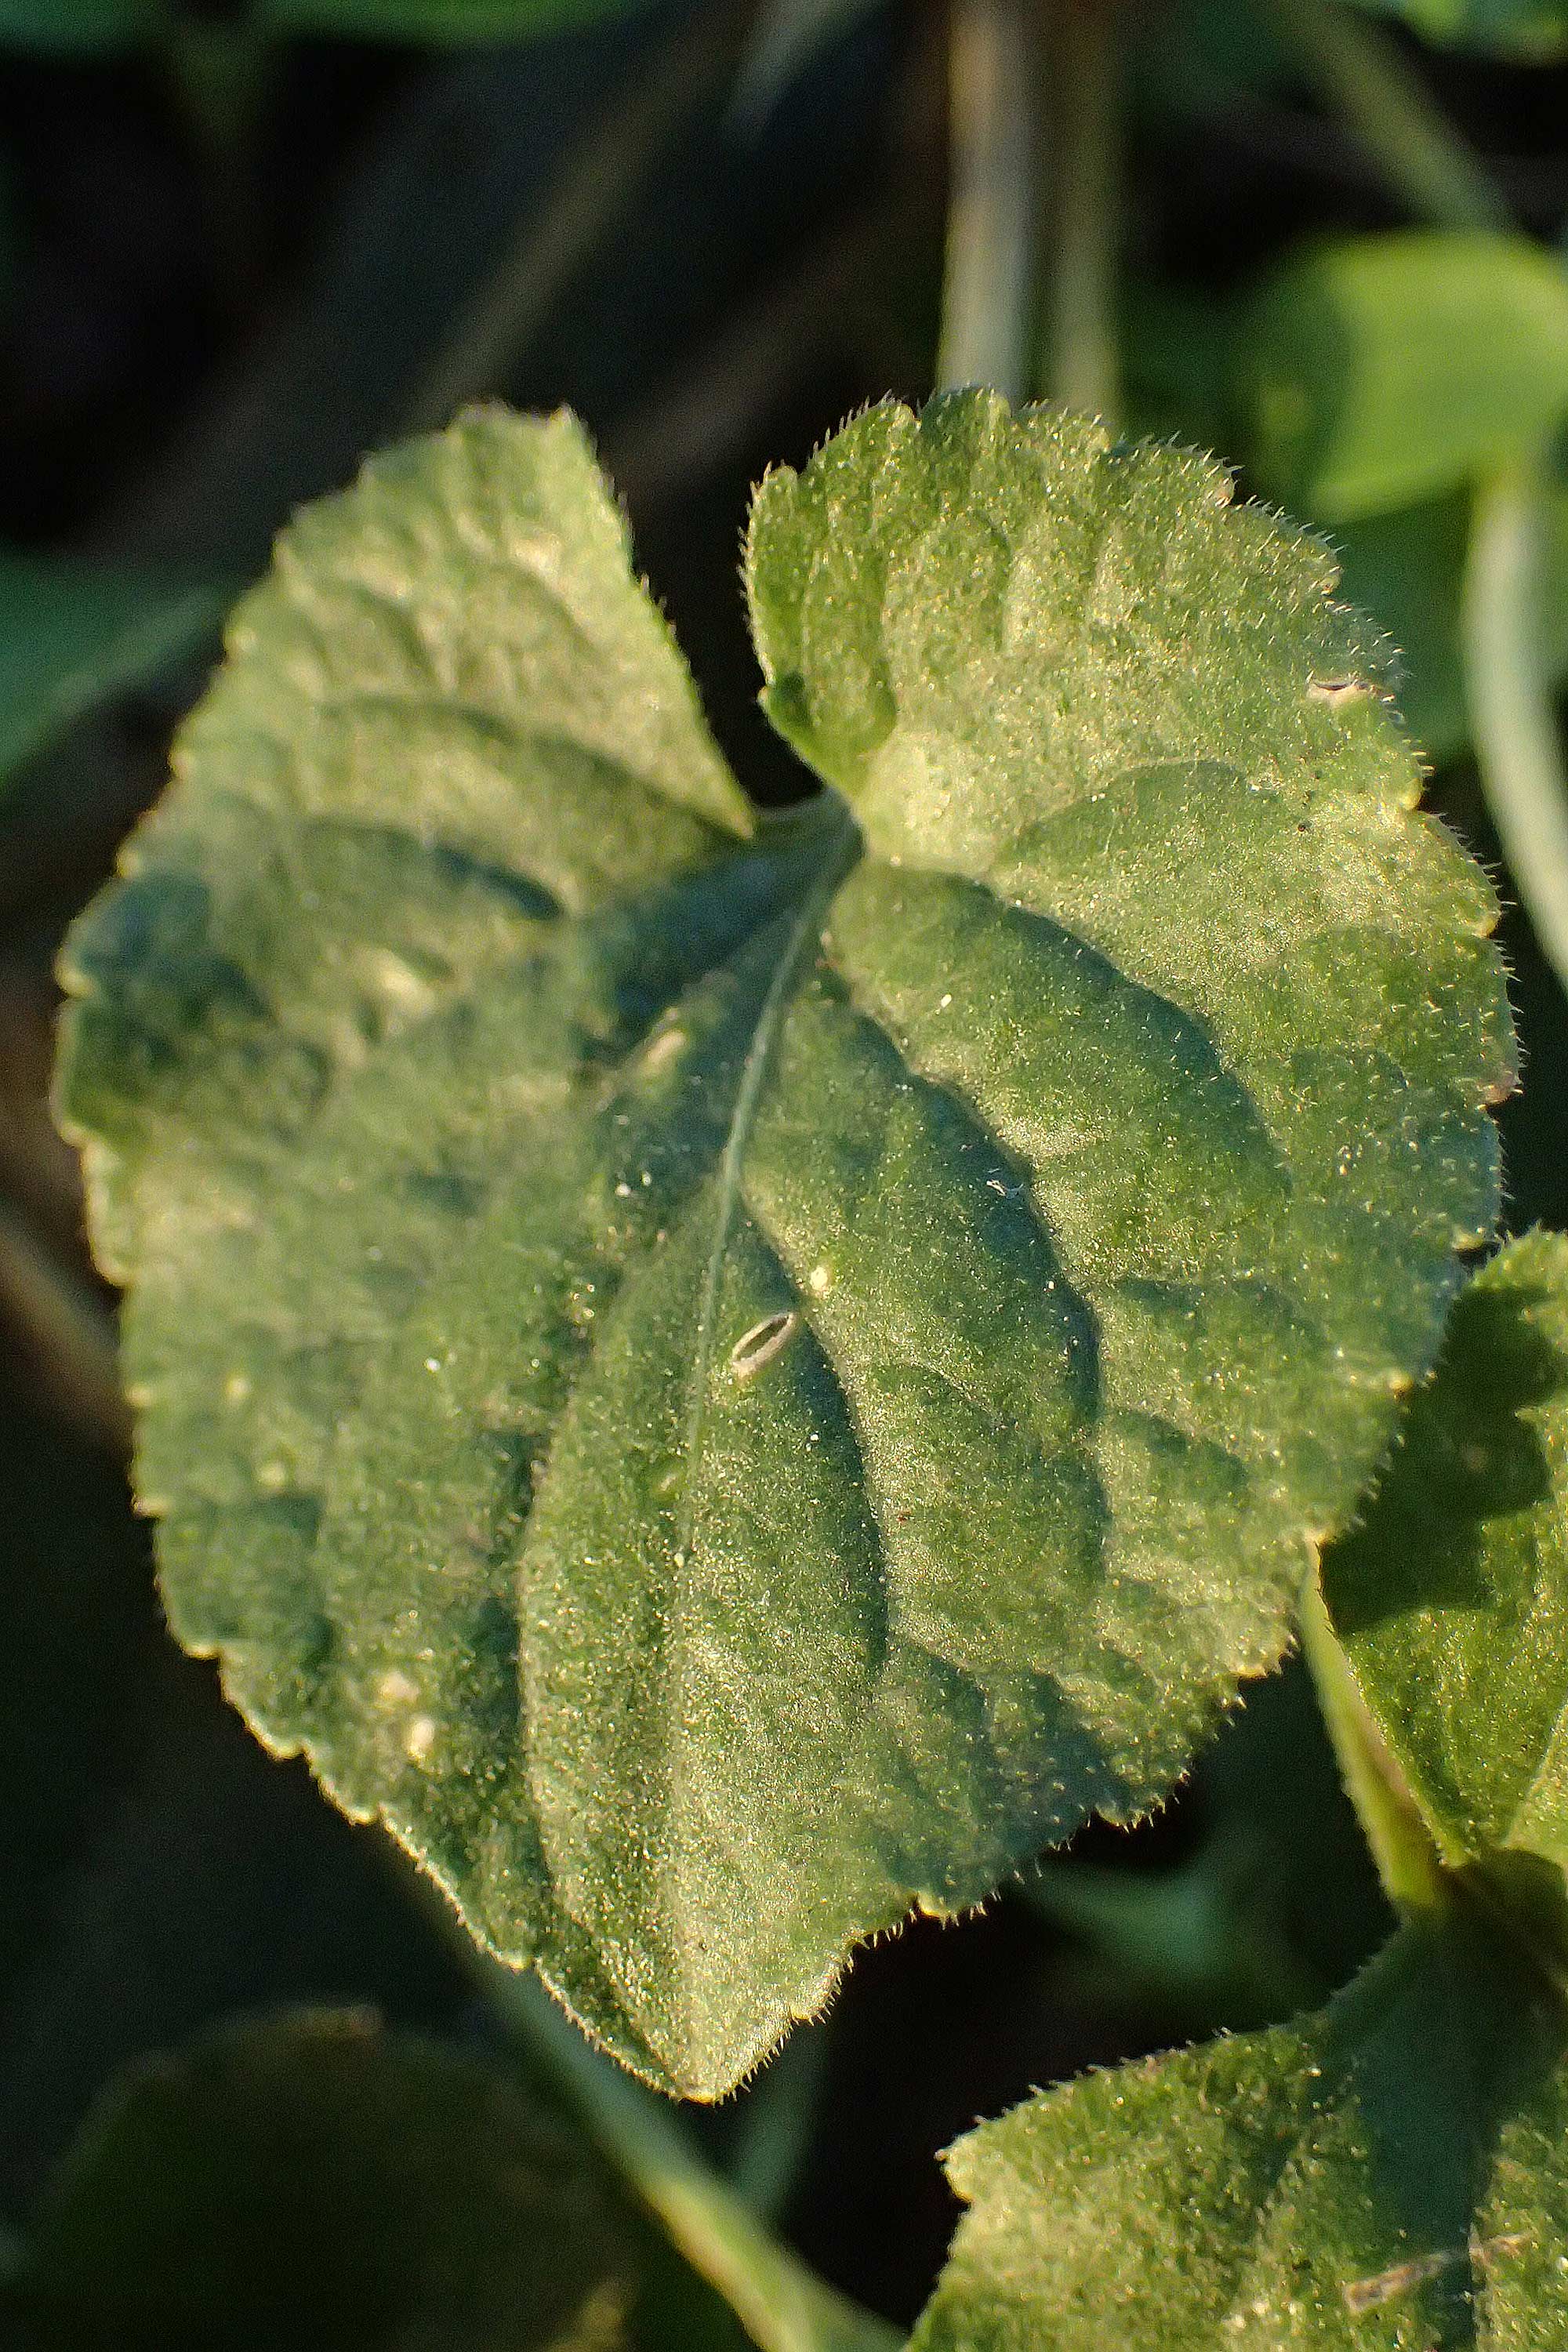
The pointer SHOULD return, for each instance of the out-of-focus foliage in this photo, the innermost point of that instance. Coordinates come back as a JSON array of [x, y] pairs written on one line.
[[1376, 372], [71, 634], [1408, 567], [1526, 29], [312, 2179], [85, 27]]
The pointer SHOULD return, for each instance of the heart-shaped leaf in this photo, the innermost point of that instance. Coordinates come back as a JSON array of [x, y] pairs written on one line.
[[310, 2179], [728, 1375], [84, 26], [1390, 2174], [1451, 1597]]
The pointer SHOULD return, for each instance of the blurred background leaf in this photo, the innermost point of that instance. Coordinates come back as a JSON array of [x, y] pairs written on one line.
[[1532, 29], [1376, 371], [72, 634], [310, 2179], [435, 20]]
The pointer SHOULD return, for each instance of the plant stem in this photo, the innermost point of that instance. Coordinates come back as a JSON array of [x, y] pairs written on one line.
[[991, 198], [1508, 685], [596, 185], [782, 2306], [1365, 78], [780, 2118], [1407, 1861], [1081, 359], [69, 1335]]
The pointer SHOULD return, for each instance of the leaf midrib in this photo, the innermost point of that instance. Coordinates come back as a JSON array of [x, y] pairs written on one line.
[[840, 850]]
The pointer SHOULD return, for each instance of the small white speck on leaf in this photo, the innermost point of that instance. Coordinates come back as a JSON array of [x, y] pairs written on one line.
[[1337, 691], [761, 1343]]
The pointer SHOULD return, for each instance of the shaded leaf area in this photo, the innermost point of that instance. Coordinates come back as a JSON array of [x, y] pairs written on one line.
[[71, 632], [1451, 1597], [82, 27], [88, 27], [1375, 371], [79, 1626], [1385, 2176], [441, 21], [310, 2179], [729, 1375]]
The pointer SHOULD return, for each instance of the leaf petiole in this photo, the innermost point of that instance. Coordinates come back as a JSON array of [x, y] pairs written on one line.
[[782, 2306], [1407, 1861], [1078, 359], [991, 198], [1360, 73]]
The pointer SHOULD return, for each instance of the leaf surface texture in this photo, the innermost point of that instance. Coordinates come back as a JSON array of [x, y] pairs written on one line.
[[1386, 2176], [728, 1375], [1451, 1597]]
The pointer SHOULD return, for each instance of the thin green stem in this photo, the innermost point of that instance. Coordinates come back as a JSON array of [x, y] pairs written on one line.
[[1510, 686], [1367, 81], [596, 186], [68, 1332], [779, 2120], [991, 198], [782, 2306], [1081, 361], [1407, 1861]]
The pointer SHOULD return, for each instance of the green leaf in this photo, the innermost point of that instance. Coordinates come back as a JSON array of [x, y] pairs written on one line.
[[1390, 2175], [1378, 370], [71, 634], [1451, 1598], [727, 1376], [439, 21], [310, 2179], [90, 26], [85, 27], [1530, 30], [74, 1605]]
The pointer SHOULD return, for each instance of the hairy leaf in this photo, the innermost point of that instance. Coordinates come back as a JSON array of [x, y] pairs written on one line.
[[728, 1375], [1380, 370], [310, 2179], [1452, 1596], [1387, 2176]]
